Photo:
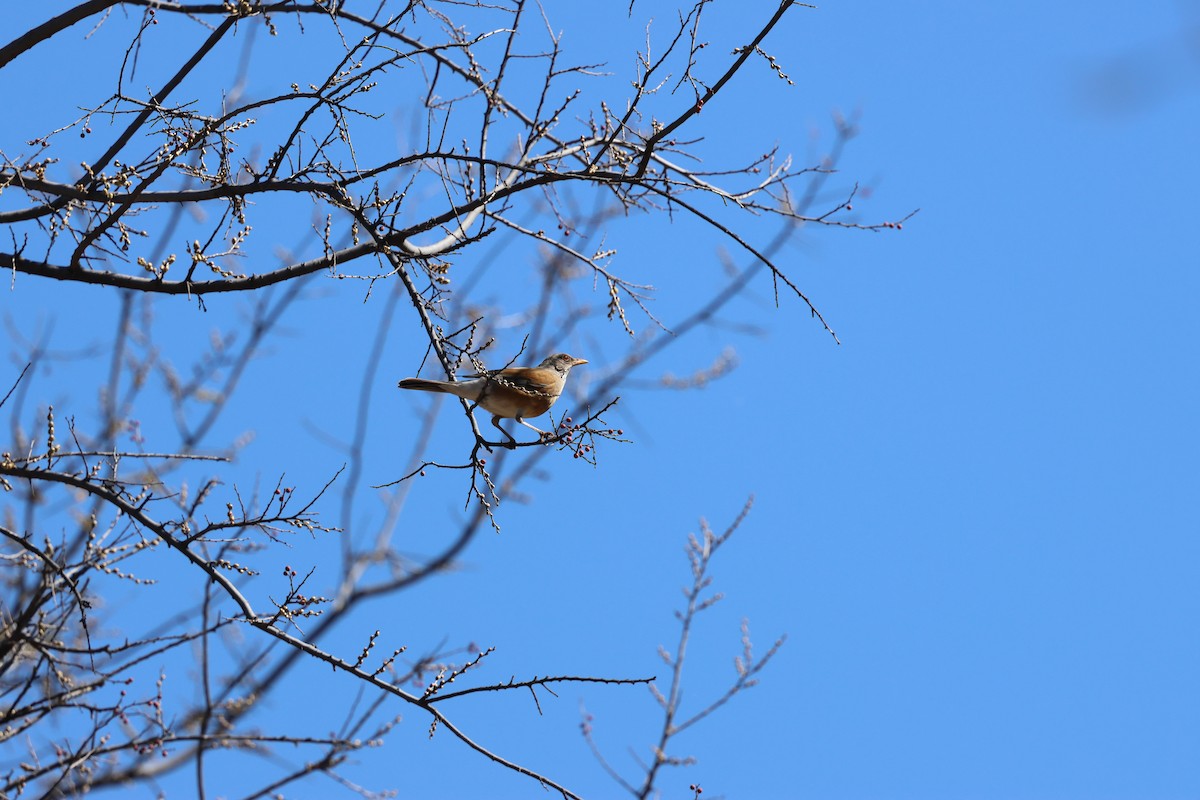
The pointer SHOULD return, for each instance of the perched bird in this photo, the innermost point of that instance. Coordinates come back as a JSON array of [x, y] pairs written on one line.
[[513, 393]]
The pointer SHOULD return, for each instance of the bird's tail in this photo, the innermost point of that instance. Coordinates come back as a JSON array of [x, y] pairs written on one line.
[[422, 385]]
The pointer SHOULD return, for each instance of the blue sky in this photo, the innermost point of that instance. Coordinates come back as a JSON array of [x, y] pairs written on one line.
[[975, 519]]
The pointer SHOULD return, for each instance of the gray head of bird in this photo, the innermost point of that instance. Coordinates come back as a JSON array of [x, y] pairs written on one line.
[[562, 362]]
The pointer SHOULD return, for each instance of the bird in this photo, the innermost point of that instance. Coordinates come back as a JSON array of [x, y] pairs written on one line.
[[511, 393]]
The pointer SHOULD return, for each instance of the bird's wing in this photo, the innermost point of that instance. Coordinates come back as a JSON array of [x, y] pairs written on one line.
[[530, 380]]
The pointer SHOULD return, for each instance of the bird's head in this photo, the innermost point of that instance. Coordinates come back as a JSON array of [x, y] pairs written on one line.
[[562, 362]]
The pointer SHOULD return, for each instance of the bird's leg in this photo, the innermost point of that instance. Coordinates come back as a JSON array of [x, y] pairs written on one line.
[[511, 441], [541, 433]]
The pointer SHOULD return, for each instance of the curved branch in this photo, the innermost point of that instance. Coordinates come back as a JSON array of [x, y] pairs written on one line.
[[47, 30]]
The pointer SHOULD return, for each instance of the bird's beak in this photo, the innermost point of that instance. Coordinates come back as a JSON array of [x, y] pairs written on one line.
[[579, 361]]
